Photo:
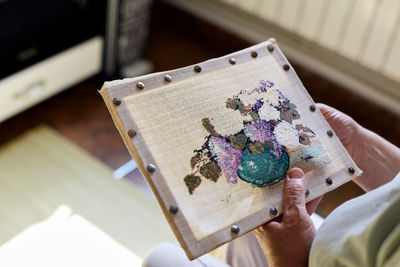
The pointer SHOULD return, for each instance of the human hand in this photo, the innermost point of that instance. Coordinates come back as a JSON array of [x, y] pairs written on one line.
[[287, 240], [346, 129], [377, 158]]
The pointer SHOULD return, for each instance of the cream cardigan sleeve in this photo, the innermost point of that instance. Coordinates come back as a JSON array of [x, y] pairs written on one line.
[[364, 231]]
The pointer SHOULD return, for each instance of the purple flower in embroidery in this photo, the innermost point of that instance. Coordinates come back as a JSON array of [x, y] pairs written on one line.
[[257, 105], [263, 86], [266, 83], [283, 99], [262, 131], [227, 157], [259, 131]]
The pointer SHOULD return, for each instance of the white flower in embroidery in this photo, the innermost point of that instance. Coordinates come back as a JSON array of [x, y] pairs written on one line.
[[268, 112], [249, 99], [271, 97], [286, 134]]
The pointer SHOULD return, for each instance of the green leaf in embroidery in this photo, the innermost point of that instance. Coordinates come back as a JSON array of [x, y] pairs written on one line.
[[256, 147], [232, 103], [254, 115], [269, 145], [304, 139], [304, 134], [259, 146], [211, 171], [194, 160], [208, 126], [289, 113], [192, 181], [308, 130], [238, 141], [237, 104], [243, 109], [304, 128]]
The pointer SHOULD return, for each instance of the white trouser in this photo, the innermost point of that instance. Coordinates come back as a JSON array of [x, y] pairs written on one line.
[[243, 251]]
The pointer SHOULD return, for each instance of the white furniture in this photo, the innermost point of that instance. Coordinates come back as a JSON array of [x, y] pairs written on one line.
[[48, 77]]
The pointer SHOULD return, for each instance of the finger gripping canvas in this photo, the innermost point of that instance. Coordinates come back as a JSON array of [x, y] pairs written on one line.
[[222, 141]]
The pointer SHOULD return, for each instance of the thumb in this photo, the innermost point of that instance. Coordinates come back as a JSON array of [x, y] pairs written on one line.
[[294, 207]]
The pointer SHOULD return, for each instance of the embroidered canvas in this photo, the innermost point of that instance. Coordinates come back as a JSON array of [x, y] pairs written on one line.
[[215, 140]]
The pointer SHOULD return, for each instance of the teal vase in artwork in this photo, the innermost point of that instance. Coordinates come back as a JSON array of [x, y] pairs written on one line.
[[263, 169]]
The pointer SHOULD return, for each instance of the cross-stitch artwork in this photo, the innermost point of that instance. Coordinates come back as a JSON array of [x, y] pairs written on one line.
[[215, 141], [262, 151]]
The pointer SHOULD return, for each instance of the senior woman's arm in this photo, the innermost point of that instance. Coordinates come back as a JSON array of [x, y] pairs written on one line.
[[376, 157], [287, 240]]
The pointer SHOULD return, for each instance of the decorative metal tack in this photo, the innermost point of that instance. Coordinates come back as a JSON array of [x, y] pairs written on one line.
[[270, 48], [232, 61], [173, 209], [351, 170], [312, 108], [197, 68], [307, 192], [235, 229], [329, 181], [132, 133], [286, 67], [167, 78], [273, 211], [329, 133], [140, 85], [254, 54], [117, 101], [150, 168]]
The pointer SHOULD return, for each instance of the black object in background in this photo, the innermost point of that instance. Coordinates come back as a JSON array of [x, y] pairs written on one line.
[[31, 31], [126, 35]]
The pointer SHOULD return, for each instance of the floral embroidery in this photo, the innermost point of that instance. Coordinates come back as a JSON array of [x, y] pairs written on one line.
[[259, 153], [226, 156]]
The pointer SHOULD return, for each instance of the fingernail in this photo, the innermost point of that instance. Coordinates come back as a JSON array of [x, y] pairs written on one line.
[[295, 173]]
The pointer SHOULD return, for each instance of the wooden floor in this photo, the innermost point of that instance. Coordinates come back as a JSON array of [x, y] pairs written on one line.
[[49, 175], [176, 40]]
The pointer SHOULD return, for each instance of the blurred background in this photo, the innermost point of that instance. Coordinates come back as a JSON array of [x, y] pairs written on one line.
[[59, 146]]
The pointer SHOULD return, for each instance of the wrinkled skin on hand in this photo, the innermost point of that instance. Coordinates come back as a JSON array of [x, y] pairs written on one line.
[[286, 241], [376, 157]]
